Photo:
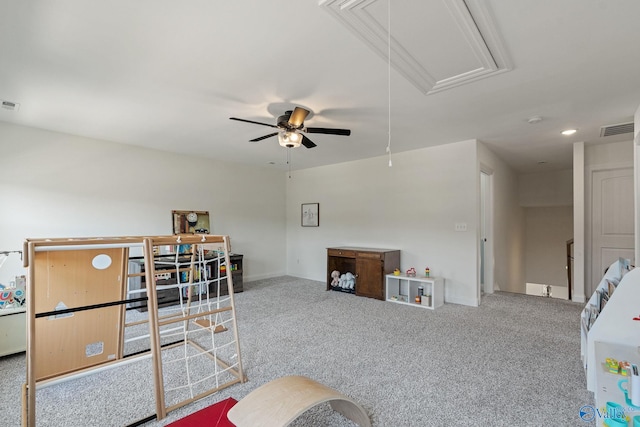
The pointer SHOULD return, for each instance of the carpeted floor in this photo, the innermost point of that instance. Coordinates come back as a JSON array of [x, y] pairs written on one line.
[[514, 361]]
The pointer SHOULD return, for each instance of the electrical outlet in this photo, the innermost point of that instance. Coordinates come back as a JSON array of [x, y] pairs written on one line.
[[460, 226]]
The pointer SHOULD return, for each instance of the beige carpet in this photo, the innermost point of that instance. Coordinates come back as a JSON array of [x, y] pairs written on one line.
[[514, 361]]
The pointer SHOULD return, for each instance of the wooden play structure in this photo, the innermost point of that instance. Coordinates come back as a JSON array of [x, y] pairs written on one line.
[[79, 301], [280, 402]]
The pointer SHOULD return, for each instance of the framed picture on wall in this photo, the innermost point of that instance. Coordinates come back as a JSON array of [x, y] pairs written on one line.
[[190, 222], [310, 214]]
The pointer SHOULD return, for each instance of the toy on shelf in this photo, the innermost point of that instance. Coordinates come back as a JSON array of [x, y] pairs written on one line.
[[427, 272], [612, 365], [411, 272], [335, 278], [396, 272], [350, 281], [345, 282], [621, 367]]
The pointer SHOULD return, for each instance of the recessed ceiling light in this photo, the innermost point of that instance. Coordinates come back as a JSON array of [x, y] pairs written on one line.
[[569, 132], [533, 120]]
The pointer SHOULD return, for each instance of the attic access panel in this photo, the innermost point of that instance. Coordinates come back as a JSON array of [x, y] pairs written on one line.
[[435, 45]]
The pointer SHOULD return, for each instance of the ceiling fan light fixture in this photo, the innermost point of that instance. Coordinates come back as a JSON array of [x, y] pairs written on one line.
[[290, 139]]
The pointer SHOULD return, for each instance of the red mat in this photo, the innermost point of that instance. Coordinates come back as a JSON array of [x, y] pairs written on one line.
[[211, 416]]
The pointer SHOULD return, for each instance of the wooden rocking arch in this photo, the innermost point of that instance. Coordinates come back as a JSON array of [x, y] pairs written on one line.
[[279, 402]]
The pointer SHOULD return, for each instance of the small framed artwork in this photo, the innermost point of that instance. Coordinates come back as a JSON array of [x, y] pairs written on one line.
[[190, 222], [311, 214]]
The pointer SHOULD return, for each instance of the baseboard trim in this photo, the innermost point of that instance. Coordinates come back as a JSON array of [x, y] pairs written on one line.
[[452, 299]]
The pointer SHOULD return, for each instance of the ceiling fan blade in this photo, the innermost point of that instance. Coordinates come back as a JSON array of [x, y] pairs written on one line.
[[297, 117], [307, 142], [263, 137], [328, 131], [255, 123]]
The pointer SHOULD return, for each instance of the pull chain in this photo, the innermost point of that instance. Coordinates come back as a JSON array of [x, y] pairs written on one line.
[[389, 77]]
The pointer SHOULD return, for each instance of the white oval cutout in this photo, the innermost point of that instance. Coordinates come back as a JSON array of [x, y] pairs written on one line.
[[101, 262]]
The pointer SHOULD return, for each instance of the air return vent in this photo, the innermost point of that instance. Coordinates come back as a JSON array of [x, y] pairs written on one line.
[[8, 105], [618, 129]]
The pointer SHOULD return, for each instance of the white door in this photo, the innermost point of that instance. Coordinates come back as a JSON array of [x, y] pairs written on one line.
[[612, 215]]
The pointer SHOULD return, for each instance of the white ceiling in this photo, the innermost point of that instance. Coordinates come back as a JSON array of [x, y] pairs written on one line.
[[168, 74]]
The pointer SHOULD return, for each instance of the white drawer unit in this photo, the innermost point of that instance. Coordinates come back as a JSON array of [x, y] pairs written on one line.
[[404, 289]]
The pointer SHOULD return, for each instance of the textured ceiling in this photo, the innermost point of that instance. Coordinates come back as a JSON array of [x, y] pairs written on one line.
[[168, 75]]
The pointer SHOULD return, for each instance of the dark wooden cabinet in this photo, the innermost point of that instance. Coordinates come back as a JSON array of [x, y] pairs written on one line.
[[171, 295], [368, 265]]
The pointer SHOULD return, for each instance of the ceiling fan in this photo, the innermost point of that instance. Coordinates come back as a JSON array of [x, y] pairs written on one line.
[[291, 126]]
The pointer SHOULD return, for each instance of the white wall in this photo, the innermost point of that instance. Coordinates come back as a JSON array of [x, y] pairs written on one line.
[[614, 153], [411, 206], [549, 188], [508, 224], [59, 185]]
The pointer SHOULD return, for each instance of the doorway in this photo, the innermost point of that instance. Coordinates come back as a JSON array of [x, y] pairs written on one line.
[[486, 261]]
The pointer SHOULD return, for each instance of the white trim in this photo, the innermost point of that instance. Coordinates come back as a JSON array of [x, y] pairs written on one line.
[[577, 291], [489, 248], [472, 302]]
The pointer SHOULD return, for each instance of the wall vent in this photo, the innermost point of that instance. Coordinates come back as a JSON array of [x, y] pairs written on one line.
[[8, 105], [618, 129]]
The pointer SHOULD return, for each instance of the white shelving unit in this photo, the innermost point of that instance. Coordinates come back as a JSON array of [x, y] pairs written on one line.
[[13, 330], [403, 289]]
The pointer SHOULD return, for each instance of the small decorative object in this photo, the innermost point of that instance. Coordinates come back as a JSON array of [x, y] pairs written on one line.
[[342, 280], [426, 300], [411, 272], [418, 299], [427, 272], [396, 272], [192, 218], [350, 281], [190, 222], [310, 214], [335, 278], [420, 290]]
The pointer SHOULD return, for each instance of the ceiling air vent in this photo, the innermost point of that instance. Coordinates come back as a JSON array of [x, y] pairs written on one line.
[[8, 105], [618, 129]]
